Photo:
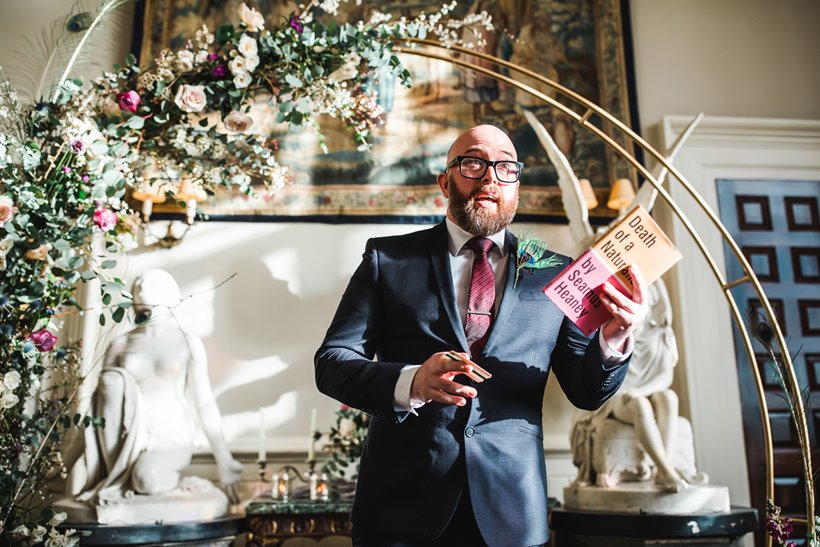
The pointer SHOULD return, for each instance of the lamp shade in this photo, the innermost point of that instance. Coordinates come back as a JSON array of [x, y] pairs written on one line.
[[621, 195], [149, 193], [589, 194], [188, 191]]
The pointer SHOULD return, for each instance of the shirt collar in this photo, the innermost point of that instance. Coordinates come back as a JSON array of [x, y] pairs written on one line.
[[458, 237]]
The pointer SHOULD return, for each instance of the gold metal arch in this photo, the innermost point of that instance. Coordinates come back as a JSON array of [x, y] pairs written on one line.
[[749, 276]]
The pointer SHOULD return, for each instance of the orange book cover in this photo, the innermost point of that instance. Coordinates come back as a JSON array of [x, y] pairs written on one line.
[[636, 240]]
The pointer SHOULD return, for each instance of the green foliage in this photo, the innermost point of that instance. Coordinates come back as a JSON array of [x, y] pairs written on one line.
[[345, 442]]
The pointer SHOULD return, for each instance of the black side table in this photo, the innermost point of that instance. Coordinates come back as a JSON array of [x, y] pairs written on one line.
[[213, 533], [571, 528]]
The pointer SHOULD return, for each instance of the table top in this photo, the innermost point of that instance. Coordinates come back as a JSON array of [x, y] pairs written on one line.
[[110, 534], [735, 522], [265, 505]]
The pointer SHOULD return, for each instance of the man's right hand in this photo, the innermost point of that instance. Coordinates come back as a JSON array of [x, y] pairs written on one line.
[[433, 381]]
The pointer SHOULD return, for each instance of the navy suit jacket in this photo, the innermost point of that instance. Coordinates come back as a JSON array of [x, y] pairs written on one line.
[[399, 308]]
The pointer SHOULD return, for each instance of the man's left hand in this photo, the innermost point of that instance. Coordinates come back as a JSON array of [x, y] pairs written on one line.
[[627, 313]]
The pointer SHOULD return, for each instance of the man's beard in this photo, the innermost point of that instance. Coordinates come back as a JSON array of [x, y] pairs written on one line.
[[479, 221]]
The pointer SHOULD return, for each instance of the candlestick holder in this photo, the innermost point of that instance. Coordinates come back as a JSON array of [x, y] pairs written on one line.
[[262, 466]]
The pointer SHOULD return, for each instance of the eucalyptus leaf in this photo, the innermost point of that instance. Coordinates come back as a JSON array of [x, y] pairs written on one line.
[[118, 314], [293, 81]]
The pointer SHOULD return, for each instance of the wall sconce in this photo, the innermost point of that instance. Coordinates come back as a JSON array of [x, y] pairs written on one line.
[[190, 194], [621, 195], [589, 194], [149, 193], [153, 191]]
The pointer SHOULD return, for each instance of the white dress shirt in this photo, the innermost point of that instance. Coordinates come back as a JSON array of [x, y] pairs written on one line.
[[461, 267]]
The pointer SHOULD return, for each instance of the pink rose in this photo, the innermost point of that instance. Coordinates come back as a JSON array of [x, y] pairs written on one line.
[[129, 101], [43, 339], [106, 219], [191, 98], [7, 209], [238, 122]]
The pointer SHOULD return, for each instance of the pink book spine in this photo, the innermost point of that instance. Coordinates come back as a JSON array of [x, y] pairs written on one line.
[[576, 291]]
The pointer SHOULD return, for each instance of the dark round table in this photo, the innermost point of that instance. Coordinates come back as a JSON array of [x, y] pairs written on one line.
[[571, 528]]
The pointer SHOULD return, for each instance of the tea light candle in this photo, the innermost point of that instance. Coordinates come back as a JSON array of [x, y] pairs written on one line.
[[281, 486], [323, 488]]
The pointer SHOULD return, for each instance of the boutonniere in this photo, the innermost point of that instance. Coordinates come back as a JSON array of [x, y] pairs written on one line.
[[529, 255]]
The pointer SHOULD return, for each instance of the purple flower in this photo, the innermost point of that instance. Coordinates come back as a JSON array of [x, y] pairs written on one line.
[[66, 169], [43, 339], [129, 101], [213, 56], [77, 146], [86, 178], [219, 71], [296, 24], [105, 219]]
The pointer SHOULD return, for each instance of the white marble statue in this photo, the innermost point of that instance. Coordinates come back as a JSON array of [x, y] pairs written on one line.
[[645, 402], [635, 453], [152, 391]]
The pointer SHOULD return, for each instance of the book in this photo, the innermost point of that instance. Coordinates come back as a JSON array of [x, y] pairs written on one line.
[[635, 240]]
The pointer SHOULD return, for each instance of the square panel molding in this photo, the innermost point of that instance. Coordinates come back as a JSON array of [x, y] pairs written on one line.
[[707, 379]]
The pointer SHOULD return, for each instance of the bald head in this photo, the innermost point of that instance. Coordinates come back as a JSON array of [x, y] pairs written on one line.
[[481, 140]]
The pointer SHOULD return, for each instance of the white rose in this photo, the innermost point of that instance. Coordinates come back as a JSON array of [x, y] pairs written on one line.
[[58, 518], [21, 531], [252, 18], [166, 75], [347, 427], [184, 61], [238, 122], [11, 380], [251, 63], [191, 98], [69, 538], [8, 400], [201, 56], [247, 46], [243, 79], [237, 65]]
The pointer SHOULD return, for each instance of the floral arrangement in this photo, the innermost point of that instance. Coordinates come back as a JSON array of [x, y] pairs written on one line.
[[69, 160], [778, 527], [345, 442]]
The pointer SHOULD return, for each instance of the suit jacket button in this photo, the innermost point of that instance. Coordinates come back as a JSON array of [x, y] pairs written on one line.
[[469, 432]]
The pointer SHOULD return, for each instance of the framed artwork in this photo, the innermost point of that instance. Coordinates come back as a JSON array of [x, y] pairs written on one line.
[[583, 45]]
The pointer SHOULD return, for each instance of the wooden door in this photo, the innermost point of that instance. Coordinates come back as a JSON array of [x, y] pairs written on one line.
[[777, 226]]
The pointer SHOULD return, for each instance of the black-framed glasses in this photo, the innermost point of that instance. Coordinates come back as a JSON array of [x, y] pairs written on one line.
[[471, 167]]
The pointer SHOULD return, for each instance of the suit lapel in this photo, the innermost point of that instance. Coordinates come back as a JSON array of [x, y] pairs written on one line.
[[509, 299], [440, 260]]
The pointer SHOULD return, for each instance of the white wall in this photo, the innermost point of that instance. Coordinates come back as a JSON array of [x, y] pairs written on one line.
[[747, 58]]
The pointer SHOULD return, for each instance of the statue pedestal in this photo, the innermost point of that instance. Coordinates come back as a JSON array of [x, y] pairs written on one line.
[[218, 532], [645, 497], [195, 499], [592, 529]]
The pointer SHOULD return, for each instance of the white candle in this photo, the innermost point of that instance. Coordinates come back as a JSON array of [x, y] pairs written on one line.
[[262, 452], [311, 447]]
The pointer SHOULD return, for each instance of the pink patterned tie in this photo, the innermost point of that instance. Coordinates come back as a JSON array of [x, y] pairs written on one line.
[[482, 296]]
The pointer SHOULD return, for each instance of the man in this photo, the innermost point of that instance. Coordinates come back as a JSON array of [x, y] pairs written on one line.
[[468, 467]]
